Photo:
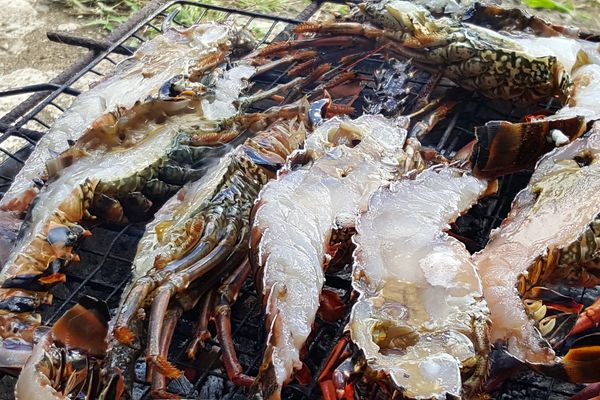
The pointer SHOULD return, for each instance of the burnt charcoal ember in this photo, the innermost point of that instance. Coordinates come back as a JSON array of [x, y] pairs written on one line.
[[183, 387], [235, 396], [473, 228], [528, 385], [213, 388], [7, 387]]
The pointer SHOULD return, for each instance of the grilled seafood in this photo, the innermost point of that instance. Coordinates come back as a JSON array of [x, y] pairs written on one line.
[[420, 317], [65, 363], [546, 238], [474, 58], [47, 246], [204, 227], [581, 59], [173, 56], [505, 147], [53, 228], [294, 224], [124, 165]]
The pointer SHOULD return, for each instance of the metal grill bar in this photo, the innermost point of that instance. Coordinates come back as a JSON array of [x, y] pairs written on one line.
[[92, 44]]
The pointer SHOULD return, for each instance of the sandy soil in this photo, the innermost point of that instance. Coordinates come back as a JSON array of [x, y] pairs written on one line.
[[26, 54]]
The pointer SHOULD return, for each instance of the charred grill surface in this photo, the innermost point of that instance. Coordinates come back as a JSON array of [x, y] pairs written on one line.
[[106, 258]]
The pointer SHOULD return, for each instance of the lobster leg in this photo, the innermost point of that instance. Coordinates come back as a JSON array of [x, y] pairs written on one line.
[[246, 101], [425, 125], [227, 295], [346, 41], [159, 381], [207, 244], [202, 333], [332, 379], [588, 319], [203, 244], [135, 298], [297, 56], [178, 282]]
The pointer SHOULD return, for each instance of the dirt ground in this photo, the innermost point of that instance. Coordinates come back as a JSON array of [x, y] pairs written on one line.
[[27, 56]]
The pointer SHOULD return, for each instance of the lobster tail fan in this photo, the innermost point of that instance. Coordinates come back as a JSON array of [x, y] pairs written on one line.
[[84, 326], [504, 147]]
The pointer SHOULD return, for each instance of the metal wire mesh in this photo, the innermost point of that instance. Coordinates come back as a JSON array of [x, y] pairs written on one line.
[[106, 257]]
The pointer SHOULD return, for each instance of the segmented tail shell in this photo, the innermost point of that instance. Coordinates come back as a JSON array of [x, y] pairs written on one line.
[[84, 326], [317, 73], [504, 147]]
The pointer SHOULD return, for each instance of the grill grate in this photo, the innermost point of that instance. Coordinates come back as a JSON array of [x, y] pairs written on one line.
[[106, 258]]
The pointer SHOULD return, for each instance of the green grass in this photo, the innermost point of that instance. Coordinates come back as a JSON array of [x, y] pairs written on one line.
[[564, 7], [189, 15], [291, 8], [335, 8], [107, 14]]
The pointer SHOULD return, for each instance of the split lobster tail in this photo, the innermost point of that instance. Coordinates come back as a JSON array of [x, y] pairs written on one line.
[[32, 270], [65, 363], [503, 147]]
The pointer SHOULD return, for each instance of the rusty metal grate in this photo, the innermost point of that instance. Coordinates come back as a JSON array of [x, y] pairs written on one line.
[[106, 257]]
